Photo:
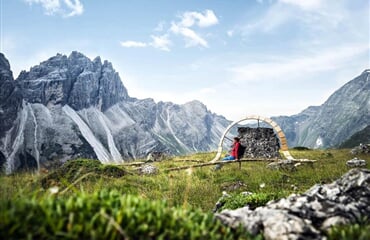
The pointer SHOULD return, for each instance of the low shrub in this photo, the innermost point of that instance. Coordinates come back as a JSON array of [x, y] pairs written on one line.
[[254, 200], [74, 169], [355, 231], [301, 148]]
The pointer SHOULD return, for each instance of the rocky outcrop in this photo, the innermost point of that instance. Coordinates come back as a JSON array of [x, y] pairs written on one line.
[[345, 113], [10, 97], [308, 215], [74, 80], [361, 149], [356, 163]]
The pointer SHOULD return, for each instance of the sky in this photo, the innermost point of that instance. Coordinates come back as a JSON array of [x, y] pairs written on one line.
[[240, 57]]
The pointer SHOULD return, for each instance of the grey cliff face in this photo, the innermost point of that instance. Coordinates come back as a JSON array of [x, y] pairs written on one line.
[[10, 97], [74, 107], [74, 80], [346, 112]]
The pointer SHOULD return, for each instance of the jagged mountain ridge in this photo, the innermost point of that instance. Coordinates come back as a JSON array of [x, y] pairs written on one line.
[[72, 107], [346, 112], [74, 80]]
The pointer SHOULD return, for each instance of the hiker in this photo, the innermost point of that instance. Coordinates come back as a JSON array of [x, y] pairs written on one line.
[[233, 153]]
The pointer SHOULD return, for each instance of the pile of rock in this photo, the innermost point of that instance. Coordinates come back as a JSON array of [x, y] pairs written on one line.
[[362, 148], [308, 215], [356, 162], [148, 169], [259, 142], [155, 156]]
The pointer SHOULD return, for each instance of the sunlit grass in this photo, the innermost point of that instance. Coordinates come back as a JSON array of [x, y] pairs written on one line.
[[197, 188]]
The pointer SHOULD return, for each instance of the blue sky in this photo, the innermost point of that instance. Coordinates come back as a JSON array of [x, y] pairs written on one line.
[[267, 57]]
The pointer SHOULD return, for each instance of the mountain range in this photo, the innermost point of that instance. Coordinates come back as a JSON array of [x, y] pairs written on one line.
[[346, 112], [70, 106]]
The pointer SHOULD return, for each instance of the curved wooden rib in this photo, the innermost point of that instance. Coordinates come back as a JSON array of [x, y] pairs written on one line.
[[274, 125]]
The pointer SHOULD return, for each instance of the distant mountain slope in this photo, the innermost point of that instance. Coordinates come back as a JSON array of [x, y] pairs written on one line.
[[70, 107], [346, 112], [362, 136]]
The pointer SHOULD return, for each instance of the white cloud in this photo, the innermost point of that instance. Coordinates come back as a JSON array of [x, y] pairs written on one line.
[[191, 37], [66, 8], [274, 17], [50, 6], [289, 69], [191, 19], [314, 14], [161, 42], [75, 6], [308, 5], [130, 44], [181, 27], [188, 19]]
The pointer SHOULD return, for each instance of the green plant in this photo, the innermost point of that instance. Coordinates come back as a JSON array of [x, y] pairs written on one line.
[[106, 215], [355, 231], [74, 169], [253, 201], [301, 148]]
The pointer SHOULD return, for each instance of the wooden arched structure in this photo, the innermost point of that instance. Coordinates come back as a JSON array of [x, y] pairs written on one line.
[[274, 125]]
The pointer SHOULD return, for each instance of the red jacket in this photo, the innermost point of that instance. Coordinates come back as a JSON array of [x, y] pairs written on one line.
[[234, 151]]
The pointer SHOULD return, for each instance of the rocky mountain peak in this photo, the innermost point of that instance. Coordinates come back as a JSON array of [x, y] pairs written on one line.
[[5, 72], [10, 96], [195, 107], [74, 80]]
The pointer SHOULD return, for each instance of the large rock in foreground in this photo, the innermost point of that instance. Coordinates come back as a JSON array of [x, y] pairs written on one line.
[[307, 216]]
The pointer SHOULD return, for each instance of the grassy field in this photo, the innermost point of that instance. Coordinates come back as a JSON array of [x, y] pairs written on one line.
[[191, 194]]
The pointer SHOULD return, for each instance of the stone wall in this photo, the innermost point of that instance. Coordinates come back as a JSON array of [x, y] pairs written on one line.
[[259, 142]]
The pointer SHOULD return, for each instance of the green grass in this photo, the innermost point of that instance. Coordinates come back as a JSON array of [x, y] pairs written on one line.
[[27, 198]]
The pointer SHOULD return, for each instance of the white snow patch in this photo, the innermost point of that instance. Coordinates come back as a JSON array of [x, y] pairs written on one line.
[[319, 142], [86, 132]]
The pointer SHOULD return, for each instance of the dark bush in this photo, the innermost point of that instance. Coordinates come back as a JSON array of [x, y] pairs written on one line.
[[301, 148]]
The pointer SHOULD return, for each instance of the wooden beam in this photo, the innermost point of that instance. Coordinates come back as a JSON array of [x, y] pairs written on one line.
[[215, 163], [235, 161]]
